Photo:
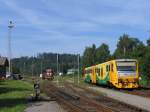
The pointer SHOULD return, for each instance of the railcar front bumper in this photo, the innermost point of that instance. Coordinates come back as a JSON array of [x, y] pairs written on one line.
[[128, 83]]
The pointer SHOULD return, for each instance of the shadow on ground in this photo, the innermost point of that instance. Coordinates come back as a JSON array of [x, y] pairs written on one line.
[[2, 82], [7, 102], [13, 94], [4, 88]]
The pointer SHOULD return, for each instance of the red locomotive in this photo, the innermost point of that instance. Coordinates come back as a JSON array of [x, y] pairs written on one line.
[[48, 74]]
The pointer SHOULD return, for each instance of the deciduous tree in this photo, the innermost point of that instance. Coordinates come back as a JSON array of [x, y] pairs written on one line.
[[102, 53]]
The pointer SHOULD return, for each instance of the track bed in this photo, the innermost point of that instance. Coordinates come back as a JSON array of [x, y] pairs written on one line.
[[76, 99]]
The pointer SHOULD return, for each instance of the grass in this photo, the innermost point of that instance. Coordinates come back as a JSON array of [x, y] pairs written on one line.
[[13, 95]]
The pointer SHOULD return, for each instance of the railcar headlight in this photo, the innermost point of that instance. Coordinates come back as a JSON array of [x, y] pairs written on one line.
[[120, 75]]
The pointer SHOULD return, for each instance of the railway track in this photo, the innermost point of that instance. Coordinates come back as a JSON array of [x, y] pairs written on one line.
[[109, 102], [73, 101], [77, 99]]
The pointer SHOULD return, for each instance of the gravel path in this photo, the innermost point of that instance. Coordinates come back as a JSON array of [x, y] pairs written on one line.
[[134, 100], [51, 106]]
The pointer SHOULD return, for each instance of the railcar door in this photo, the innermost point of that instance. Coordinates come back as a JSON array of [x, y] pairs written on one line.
[[113, 74], [93, 75]]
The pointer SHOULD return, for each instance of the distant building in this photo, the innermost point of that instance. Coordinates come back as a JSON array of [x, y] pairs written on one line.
[[3, 66], [72, 71], [60, 73]]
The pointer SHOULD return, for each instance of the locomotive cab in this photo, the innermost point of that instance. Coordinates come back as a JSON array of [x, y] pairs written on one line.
[[127, 73], [48, 74]]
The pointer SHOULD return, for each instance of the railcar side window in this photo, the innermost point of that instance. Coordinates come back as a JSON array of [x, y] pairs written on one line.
[[107, 68], [112, 67], [88, 71], [97, 70], [101, 72]]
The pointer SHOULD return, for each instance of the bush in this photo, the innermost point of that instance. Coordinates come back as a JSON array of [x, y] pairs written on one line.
[[146, 66]]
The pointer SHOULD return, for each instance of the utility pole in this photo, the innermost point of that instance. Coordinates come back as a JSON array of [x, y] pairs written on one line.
[[24, 64], [78, 68], [32, 68], [62, 67], [75, 65], [57, 68], [42, 59], [41, 66], [10, 26], [124, 51]]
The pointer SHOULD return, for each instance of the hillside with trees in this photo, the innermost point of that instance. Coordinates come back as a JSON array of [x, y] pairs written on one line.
[[35, 65]]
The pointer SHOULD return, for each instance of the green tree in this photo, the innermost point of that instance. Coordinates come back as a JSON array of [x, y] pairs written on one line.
[[89, 56], [102, 53], [126, 46], [148, 42], [139, 51], [15, 70], [145, 65], [93, 55]]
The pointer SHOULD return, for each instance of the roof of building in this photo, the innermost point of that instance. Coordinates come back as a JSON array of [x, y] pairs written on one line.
[[72, 70], [4, 61]]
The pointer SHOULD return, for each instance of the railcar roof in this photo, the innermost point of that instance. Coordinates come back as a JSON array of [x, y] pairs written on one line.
[[126, 60], [111, 61]]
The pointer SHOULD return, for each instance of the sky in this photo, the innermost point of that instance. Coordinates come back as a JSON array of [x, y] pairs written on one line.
[[68, 26]]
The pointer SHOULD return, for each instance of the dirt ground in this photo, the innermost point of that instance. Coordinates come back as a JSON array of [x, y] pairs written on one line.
[[51, 106]]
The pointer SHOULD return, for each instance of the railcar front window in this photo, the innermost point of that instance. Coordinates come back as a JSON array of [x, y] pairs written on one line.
[[126, 68]]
